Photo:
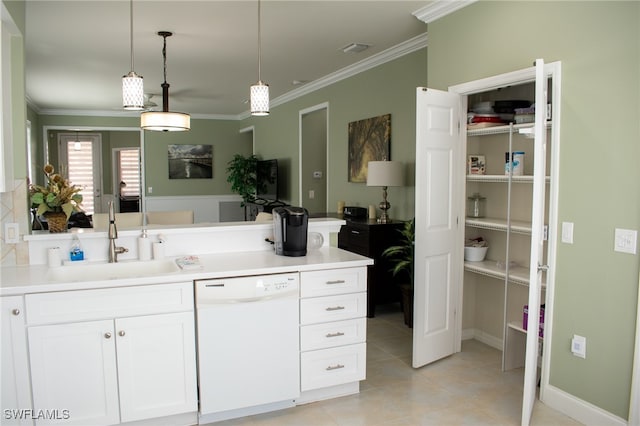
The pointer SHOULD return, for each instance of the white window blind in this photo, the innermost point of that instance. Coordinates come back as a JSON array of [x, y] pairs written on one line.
[[80, 156], [129, 167]]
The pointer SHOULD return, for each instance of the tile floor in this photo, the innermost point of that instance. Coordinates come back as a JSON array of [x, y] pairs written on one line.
[[467, 388]]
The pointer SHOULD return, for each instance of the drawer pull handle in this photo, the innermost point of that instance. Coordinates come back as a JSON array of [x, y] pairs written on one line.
[[355, 232], [16, 311], [334, 367], [336, 282], [335, 308], [121, 333], [338, 334], [107, 335]]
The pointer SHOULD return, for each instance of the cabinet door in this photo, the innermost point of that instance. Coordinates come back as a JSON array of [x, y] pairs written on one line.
[[73, 370], [16, 389], [156, 365]]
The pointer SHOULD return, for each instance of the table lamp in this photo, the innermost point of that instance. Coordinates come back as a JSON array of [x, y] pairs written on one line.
[[385, 174]]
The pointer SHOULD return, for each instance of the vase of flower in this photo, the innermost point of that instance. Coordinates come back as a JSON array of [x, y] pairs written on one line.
[[55, 200], [57, 221]]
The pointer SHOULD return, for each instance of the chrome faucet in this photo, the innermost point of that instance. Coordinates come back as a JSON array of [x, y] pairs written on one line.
[[113, 235]]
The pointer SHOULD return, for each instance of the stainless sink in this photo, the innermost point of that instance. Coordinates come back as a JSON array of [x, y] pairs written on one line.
[[111, 271]]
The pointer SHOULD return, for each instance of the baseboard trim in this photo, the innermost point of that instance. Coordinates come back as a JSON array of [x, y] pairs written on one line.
[[481, 336], [578, 409]]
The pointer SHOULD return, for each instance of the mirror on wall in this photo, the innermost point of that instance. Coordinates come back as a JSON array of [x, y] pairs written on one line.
[[105, 162]]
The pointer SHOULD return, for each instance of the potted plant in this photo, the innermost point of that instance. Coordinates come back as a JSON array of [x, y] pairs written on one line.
[[56, 200], [401, 258], [242, 176]]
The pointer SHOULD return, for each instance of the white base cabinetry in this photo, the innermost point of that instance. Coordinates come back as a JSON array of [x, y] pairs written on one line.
[[16, 387], [116, 369], [333, 307]]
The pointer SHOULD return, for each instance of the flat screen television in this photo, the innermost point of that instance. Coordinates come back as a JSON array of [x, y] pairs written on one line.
[[267, 180]]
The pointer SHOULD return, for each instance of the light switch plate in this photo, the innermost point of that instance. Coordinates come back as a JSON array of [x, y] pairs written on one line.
[[579, 346], [567, 232], [11, 233], [625, 241]]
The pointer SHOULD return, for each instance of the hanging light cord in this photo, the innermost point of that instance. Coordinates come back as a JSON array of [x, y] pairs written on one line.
[[259, 44], [164, 56], [131, 31]]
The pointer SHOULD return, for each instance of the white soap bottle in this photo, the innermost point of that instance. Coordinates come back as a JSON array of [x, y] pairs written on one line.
[[144, 246]]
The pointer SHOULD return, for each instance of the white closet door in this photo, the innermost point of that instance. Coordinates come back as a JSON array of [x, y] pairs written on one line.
[[437, 183], [537, 245]]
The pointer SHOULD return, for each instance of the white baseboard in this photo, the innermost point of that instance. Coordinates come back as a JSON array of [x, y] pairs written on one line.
[[578, 409], [481, 336]]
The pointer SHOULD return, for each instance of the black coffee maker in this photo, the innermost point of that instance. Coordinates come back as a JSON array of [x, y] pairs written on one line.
[[290, 230]]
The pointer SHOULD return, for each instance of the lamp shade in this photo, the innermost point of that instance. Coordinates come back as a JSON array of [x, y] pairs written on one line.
[[385, 173], [132, 92], [259, 99], [165, 121]]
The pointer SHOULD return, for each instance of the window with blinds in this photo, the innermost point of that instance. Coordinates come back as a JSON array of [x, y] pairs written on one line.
[[129, 172], [80, 166]]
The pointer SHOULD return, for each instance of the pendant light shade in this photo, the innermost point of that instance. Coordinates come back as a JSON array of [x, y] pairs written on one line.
[[260, 99], [165, 120], [259, 92], [132, 83]]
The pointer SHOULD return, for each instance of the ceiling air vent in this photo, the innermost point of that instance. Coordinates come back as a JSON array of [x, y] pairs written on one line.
[[355, 47]]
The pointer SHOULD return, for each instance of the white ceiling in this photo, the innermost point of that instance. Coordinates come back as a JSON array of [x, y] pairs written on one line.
[[78, 50]]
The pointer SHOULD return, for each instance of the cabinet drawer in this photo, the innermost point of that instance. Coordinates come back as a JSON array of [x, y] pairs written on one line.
[[333, 308], [81, 305], [334, 281], [337, 333], [334, 366]]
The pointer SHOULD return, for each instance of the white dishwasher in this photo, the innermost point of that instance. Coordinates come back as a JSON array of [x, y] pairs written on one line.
[[248, 344]]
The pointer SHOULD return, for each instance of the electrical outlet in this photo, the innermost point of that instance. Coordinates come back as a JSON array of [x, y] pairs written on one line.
[[625, 241], [150, 189], [312, 194], [579, 346]]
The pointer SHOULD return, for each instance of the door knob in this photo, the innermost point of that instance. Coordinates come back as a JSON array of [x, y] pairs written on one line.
[[107, 335], [121, 333]]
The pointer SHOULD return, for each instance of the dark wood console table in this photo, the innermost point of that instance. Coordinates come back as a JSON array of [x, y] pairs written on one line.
[[369, 238]]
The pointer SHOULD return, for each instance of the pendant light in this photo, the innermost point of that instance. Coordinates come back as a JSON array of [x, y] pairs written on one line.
[[260, 91], [132, 83], [165, 120]]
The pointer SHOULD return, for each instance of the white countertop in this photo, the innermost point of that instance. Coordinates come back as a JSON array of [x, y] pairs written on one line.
[[19, 280]]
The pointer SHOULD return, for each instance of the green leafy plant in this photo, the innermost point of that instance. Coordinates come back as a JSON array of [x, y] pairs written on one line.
[[401, 255], [57, 195], [242, 176]]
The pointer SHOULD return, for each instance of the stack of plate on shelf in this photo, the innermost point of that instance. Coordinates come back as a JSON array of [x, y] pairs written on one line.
[[498, 112], [525, 115]]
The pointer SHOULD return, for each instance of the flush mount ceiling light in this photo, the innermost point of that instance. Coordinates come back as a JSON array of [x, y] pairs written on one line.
[[259, 92], [355, 47], [132, 83], [165, 120]]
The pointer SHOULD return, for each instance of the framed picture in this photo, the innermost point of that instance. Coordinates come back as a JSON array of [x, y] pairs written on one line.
[[190, 161], [476, 165], [369, 140]]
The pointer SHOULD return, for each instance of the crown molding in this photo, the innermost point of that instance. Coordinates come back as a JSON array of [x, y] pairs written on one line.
[[440, 8], [416, 43]]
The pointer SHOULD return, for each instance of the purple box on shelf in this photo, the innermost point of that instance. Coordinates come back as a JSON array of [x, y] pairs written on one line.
[[525, 319]]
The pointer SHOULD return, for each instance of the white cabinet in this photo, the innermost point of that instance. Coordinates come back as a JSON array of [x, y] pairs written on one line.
[[333, 309], [132, 358], [16, 390]]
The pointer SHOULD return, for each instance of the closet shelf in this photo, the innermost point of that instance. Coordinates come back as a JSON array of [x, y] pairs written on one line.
[[518, 327], [503, 178], [489, 268], [517, 227], [497, 130]]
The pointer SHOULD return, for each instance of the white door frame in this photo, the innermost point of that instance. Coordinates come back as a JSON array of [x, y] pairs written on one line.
[[302, 113], [527, 75]]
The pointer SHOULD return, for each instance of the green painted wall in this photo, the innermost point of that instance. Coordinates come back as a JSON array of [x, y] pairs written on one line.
[[598, 43], [389, 88]]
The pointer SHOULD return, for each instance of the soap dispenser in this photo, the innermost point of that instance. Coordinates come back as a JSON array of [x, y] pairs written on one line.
[[76, 252], [144, 246]]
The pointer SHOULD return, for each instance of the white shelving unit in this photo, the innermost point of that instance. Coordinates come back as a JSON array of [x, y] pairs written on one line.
[[507, 228]]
